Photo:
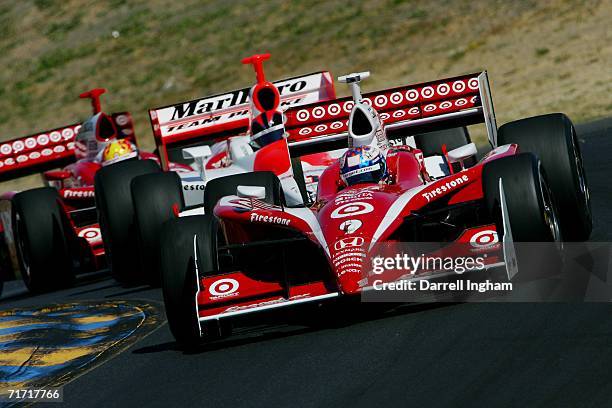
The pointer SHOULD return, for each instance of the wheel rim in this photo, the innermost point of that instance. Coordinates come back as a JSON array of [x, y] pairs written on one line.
[[582, 184], [549, 211]]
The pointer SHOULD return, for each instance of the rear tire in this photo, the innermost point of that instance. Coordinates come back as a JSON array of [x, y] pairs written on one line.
[[154, 196], [225, 186], [553, 139], [431, 143], [116, 216], [179, 280], [40, 240], [531, 212]]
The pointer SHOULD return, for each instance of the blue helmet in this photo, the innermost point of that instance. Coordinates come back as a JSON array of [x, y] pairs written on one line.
[[363, 164]]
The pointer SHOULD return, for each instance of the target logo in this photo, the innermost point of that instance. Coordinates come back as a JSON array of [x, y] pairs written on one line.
[[55, 137], [473, 83], [412, 95], [22, 158], [336, 125], [34, 155], [484, 239], [414, 111], [303, 115], [320, 128], [59, 149], [223, 287], [396, 98], [91, 234], [6, 149], [399, 114], [30, 142], [443, 89], [305, 131], [446, 105], [384, 116], [474, 99], [427, 92], [334, 109], [430, 108], [350, 209], [18, 146], [43, 139], [67, 133], [461, 102], [318, 112], [380, 100], [458, 86], [347, 106]]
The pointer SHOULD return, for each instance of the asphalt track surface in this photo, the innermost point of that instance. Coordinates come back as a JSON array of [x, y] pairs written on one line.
[[492, 355]]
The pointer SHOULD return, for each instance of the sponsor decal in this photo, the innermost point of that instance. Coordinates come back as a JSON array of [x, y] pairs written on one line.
[[448, 186], [351, 209], [223, 288], [350, 226], [484, 239], [353, 242], [91, 234], [271, 219], [192, 187], [266, 303], [78, 193]]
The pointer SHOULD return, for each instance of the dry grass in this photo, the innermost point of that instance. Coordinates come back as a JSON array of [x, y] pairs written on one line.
[[542, 56]]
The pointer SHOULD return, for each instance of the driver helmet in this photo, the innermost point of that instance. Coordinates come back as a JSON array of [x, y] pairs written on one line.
[[267, 121], [363, 164], [118, 150]]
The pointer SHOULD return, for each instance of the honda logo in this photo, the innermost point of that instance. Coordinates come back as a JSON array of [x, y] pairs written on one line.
[[348, 243]]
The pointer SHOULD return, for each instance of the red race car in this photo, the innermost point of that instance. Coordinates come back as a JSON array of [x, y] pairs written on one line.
[[251, 251], [51, 232]]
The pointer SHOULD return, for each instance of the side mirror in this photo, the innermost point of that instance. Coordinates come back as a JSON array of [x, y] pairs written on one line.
[[198, 152], [461, 153], [251, 192]]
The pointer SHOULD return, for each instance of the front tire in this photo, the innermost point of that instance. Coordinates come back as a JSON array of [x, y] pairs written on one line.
[[532, 213], [116, 216], [40, 240], [154, 196], [553, 139], [179, 278]]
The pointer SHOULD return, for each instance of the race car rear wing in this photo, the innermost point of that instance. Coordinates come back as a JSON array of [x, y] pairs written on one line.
[[446, 103], [49, 149], [219, 116]]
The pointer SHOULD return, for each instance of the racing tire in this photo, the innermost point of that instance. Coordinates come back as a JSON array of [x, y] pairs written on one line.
[[431, 143], [179, 277], [42, 248], [553, 139], [154, 196], [532, 213], [225, 186], [116, 216]]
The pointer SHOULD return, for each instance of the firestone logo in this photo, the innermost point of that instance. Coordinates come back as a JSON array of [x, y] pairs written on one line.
[[448, 186], [78, 194]]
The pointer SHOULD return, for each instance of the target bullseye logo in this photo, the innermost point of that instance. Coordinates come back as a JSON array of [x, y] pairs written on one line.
[[349, 209], [484, 239], [223, 287], [91, 234]]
